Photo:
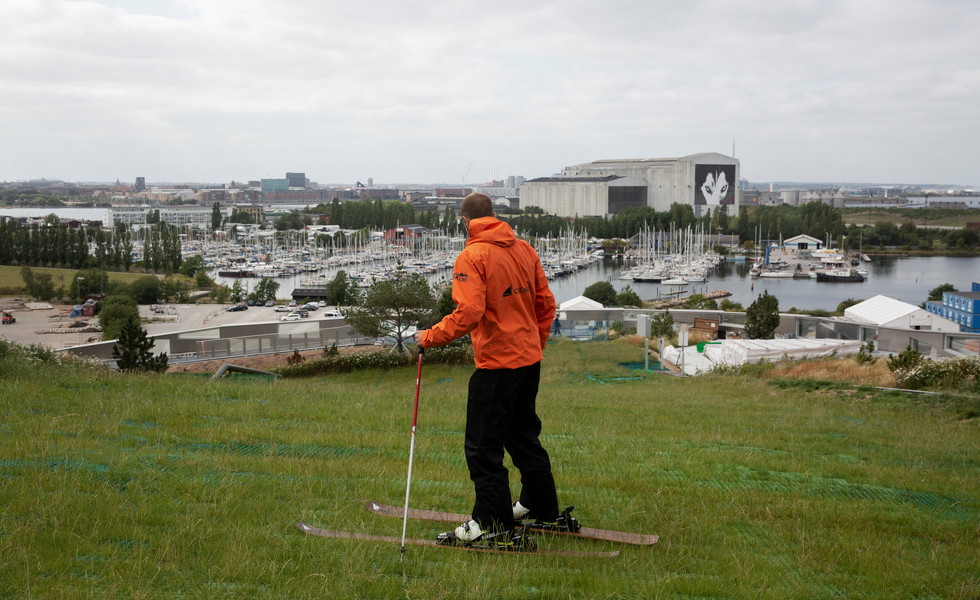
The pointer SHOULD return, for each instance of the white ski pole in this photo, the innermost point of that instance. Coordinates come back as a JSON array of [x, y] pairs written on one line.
[[411, 447]]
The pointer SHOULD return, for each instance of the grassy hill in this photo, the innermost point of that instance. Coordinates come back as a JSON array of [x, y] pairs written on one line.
[[174, 486], [11, 280]]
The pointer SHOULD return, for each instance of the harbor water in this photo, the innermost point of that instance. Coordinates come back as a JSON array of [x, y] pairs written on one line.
[[909, 279]]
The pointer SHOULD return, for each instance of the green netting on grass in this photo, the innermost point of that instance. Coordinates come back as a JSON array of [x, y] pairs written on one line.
[[271, 449], [655, 366], [599, 379], [743, 478]]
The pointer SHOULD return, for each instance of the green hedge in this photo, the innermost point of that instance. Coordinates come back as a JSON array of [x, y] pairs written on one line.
[[334, 362]]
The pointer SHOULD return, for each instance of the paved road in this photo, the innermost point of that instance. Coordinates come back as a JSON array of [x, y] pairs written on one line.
[[178, 317]]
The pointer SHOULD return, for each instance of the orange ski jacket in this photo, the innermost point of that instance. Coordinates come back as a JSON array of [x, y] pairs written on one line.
[[502, 299]]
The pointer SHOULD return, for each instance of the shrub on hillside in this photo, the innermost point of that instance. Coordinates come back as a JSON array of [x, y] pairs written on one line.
[[904, 361], [33, 352], [957, 374], [865, 355]]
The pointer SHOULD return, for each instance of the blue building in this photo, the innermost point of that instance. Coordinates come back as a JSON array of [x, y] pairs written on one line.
[[960, 307]]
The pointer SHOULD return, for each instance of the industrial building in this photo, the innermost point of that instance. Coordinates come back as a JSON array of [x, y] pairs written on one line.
[[606, 187]]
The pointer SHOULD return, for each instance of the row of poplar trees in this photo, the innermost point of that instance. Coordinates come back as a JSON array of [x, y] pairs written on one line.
[[55, 244]]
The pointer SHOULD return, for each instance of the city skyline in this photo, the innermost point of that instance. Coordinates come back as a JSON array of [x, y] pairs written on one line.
[[464, 92]]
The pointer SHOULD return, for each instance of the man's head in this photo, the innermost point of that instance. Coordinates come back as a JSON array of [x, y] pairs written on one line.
[[475, 206]]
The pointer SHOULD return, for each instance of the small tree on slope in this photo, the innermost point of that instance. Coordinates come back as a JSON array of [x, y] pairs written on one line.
[[762, 317], [132, 351]]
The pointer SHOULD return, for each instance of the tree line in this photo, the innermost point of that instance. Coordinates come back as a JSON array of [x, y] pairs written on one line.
[[534, 222], [55, 244]]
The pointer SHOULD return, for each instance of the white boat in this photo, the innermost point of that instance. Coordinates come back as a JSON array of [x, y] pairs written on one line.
[[696, 275], [674, 281], [777, 274]]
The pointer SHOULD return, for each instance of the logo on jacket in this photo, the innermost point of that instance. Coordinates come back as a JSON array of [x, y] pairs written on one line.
[[460, 277], [510, 291]]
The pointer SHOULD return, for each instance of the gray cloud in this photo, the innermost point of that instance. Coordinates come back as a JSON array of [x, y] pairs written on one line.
[[217, 90]]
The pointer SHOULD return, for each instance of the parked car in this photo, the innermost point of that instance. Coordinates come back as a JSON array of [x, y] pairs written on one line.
[[390, 340], [290, 317], [270, 303], [292, 304], [333, 314], [321, 303], [282, 308], [157, 308], [310, 306], [237, 308], [303, 313]]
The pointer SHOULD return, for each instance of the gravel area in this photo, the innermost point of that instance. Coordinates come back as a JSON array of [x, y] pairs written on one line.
[[176, 317]]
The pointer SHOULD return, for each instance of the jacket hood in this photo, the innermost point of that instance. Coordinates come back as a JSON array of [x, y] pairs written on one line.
[[491, 230]]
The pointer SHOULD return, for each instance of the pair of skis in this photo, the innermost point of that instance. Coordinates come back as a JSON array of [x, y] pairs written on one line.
[[625, 537], [406, 513]]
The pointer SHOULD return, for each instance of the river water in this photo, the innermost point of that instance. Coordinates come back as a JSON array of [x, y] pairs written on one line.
[[908, 279]]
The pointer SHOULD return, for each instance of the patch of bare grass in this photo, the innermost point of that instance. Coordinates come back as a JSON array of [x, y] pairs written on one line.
[[843, 370]]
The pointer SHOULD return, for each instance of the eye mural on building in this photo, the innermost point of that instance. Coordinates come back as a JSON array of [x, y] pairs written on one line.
[[714, 184]]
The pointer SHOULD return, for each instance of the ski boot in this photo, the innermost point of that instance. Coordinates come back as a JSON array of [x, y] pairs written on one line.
[[564, 522], [471, 535]]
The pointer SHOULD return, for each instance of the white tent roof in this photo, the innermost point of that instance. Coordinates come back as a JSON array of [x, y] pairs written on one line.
[[580, 303], [879, 310], [802, 238]]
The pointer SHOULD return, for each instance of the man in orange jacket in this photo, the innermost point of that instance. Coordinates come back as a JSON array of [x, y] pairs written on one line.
[[503, 301]]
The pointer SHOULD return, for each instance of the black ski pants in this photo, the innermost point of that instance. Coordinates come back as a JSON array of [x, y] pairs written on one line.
[[500, 415]]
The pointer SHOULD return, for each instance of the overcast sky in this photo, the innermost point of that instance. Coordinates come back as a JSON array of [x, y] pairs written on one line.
[[453, 91]]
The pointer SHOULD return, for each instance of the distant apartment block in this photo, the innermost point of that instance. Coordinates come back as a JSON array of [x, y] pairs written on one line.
[[274, 185], [254, 211], [515, 181], [296, 180], [298, 196], [159, 196], [453, 192], [209, 197], [251, 195], [192, 216], [363, 193]]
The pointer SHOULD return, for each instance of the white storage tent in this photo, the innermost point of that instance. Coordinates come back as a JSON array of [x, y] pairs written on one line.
[[737, 352]]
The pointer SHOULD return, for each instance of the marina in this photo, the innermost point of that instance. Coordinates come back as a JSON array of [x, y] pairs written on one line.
[[904, 278], [574, 263]]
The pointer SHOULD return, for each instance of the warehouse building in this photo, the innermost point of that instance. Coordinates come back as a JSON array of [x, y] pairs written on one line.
[[606, 187]]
